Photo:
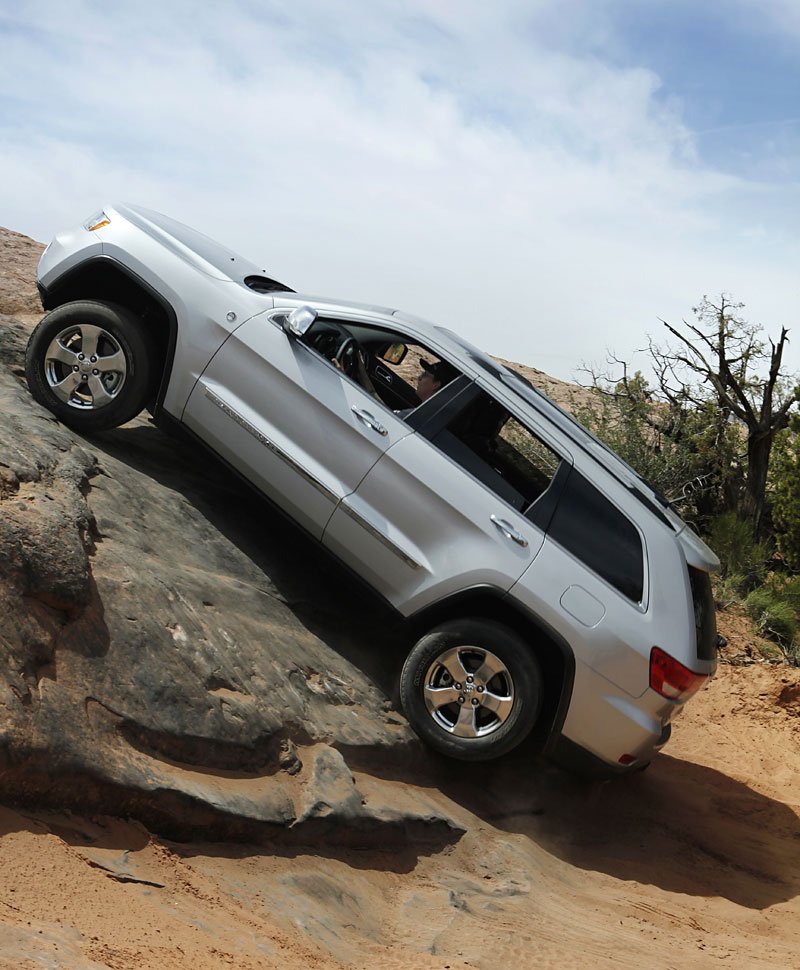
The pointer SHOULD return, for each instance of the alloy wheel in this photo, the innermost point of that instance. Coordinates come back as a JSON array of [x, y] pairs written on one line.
[[85, 366]]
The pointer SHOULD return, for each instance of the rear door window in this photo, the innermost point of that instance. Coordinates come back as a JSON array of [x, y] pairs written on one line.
[[493, 446]]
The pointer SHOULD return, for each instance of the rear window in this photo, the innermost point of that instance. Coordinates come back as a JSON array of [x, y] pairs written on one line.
[[597, 533], [705, 616]]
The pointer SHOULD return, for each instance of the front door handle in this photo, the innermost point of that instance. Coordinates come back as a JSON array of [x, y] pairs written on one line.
[[369, 420], [509, 531]]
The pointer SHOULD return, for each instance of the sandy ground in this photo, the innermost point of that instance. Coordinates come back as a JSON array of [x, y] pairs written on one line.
[[693, 863]]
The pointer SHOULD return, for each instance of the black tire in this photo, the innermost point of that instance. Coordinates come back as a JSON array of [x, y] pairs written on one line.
[[108, 397], [519, 683]]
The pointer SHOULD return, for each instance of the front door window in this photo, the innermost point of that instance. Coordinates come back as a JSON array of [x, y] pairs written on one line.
[[400, 375]]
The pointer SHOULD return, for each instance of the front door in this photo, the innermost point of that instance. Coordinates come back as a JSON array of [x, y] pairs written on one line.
[[289, 420]]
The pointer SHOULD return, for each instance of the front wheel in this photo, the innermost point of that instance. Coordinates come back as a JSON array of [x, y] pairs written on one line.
[[91, 364], [472, 689]]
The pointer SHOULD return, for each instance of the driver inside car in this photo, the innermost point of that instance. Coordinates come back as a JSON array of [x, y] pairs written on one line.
[[433, 378], [354, 360], [355, 366]]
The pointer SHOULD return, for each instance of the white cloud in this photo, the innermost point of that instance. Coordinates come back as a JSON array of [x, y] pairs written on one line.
[[445, 159], [783, 15]]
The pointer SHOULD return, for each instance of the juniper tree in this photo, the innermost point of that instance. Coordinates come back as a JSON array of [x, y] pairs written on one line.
[[724, 368]]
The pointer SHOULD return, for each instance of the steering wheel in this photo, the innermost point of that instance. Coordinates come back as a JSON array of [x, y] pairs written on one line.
[[347, 357]]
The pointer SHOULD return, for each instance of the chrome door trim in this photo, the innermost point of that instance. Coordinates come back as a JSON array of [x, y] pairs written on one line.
[[367, 526], [264, 440]]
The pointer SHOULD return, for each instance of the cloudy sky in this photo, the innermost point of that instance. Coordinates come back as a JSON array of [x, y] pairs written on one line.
[[548, 177]]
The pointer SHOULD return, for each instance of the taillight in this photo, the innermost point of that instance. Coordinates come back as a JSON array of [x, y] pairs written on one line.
[[671, 679]]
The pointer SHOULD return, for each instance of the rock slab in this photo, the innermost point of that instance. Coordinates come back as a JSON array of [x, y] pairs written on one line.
[[170, 648]]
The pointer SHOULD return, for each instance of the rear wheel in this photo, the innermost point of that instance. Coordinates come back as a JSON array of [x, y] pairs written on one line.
[[91, 364], [472, 689]]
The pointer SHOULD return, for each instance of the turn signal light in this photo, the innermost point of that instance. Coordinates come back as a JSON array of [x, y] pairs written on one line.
[[671, 679], [98, 220]]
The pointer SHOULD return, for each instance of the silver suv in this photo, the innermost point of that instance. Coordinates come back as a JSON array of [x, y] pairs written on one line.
[[546, 587]]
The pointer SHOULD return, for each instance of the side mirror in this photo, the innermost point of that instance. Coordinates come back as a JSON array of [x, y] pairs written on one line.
[[299, 320]]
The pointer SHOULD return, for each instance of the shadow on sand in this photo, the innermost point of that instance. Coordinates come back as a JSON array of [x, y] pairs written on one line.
[[683, 827]]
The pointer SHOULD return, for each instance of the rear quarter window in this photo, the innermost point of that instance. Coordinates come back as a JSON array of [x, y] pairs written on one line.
[[600, 536]]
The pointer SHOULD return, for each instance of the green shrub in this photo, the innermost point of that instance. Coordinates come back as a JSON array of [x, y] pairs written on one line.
[[758, 601], [779, 623], [732, 540], [730, 590], [774, 617], [770, 651], [787, 588], [621, 419], [785, 481]]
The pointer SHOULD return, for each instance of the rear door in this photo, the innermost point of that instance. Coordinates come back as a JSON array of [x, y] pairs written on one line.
[[465, 501], [289, 420]]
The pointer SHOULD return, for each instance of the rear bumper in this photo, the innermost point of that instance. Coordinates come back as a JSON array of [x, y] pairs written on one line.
[[579, 761], [605, 723]]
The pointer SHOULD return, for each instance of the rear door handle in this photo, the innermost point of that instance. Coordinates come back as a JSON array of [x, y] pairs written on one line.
[[369, 420], [509, 531]]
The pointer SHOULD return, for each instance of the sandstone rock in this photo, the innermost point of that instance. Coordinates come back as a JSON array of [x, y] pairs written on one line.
[[171, 648], [20, 256]]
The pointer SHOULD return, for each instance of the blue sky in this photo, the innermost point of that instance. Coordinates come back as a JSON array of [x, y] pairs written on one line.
[[735, 74], [549, 178]]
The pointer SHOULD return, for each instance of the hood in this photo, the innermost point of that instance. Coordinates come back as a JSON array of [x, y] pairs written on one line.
[[202, 252]]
